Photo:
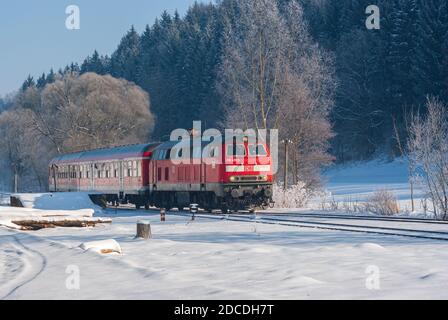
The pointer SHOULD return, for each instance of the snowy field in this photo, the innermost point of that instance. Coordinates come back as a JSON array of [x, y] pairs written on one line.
[[221, 259], [355, 183]]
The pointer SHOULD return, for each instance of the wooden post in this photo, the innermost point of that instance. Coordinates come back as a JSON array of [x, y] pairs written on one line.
[[162, 214], [143, 230], [193, 210], [16, 180]]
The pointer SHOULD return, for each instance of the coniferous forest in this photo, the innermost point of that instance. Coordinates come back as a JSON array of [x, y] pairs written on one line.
[[381, 74], [370, 81]]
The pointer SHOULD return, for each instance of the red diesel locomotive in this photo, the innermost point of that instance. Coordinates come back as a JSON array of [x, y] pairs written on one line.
[[230, 176]]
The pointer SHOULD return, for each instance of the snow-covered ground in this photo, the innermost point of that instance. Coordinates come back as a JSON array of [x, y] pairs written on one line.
[[221, 259], [58, 201], [355, 183]]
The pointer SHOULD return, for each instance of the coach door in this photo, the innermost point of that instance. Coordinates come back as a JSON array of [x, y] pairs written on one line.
[[92, 177], [121, 178]]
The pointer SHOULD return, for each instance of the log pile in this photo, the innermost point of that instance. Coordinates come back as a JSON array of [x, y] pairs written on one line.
[[33, 225]]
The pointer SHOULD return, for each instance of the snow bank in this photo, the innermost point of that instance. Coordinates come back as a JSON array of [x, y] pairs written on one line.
[[9, 215], [57, 201]]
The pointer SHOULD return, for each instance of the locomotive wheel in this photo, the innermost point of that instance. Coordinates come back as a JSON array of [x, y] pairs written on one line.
[[224, 210], [137, 206], [147, 206]]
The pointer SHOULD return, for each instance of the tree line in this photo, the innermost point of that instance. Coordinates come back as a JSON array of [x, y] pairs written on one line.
[[381, 74], [310, 68]]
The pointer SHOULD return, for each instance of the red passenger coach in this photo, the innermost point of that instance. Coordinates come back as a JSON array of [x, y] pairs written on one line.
[[119, 174]]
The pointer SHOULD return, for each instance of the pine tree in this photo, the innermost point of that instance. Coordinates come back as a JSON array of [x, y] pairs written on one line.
[[124, 59], [42, 81], [51, 77], [29, 82], [96, 63], [431, 49]]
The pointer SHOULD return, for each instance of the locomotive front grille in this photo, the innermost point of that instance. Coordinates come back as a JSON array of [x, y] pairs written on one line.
[[259, 178], [249, 178]]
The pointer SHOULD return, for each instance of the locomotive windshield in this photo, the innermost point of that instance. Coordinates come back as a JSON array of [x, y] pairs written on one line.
[[257, 150], [236, 150]]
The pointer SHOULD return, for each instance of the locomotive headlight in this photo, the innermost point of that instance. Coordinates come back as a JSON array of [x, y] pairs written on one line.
[[263, 178], [233, 179]]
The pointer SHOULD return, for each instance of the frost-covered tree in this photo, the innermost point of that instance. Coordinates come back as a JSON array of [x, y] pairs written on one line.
[[274, 77], [428, 145]]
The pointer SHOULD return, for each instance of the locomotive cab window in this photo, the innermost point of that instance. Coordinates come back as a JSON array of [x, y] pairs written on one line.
[[167, 154], [257, 150], [237, 150]]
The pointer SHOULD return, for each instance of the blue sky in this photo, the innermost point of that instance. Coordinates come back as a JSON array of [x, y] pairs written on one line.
[[33, 36]]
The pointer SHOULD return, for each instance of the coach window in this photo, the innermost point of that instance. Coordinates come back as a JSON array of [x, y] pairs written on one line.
[[139, 168], [129, 168], [107, 171], [87, 172], [134, 169], [115, 170]]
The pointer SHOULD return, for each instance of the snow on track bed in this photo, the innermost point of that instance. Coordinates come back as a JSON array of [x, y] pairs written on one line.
[[356, 217], [329, 225]]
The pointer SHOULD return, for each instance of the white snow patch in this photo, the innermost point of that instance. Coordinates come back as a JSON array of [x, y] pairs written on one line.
[[103, 246], [371, 247], [58, 201], [10, 214]]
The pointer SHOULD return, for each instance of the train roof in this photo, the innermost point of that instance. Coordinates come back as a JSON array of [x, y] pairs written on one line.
[[170, 144], [120, 152]]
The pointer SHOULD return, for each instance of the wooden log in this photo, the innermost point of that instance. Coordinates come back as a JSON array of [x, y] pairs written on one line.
[[143, 230], [42, 224]]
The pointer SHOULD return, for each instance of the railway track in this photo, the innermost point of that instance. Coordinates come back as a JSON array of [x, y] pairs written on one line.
[[292, 221], [351, 217], [391, 231]]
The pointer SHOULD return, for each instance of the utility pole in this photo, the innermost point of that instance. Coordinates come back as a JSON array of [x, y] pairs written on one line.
[[16, 179], [54, 167], [285, 169]]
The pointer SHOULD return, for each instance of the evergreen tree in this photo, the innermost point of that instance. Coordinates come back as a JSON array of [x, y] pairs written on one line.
[[42, 81], [431, 49], [51, 77], [29, 82], [124, 59], [96, 63]]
